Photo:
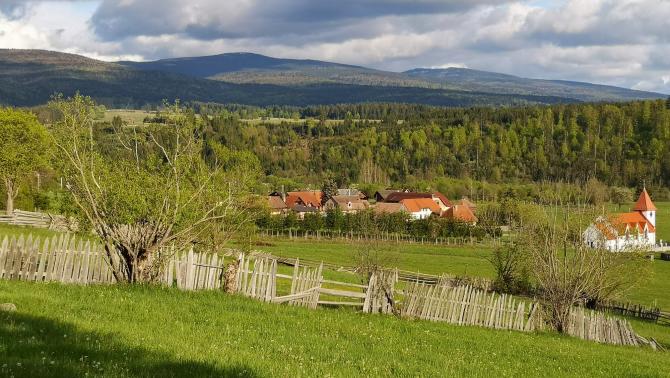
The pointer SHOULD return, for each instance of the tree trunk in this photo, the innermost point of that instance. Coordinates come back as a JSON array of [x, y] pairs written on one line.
[[12, 192]]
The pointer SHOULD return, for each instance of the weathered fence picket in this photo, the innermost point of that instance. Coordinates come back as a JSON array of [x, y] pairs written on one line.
[[465, 305]]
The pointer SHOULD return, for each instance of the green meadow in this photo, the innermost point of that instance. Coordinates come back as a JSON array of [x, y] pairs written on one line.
[[124, 331]]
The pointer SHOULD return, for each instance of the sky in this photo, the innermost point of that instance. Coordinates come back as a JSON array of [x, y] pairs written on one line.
[[616, 42]]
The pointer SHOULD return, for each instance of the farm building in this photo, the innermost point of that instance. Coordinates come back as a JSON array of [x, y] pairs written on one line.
[[420, 208], [460, 213], [277, 204], [382, 195], [388, 208], [618, 232], [348, 204], [309, 198]]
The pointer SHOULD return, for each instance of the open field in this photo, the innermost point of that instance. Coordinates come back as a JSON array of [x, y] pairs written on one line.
[[430, 259], [653, 290], [129, 331], [133, 117], [427, 258]]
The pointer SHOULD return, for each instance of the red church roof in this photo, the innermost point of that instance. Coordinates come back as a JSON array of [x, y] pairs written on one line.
[[644, 202]]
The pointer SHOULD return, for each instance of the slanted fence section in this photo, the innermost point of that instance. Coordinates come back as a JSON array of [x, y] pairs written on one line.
[[63, 259], [596, 326], [379, 296], [465, 305], [259, 283], [194, 271]]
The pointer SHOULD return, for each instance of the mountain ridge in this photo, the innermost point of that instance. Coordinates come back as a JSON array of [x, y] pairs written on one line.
[[30, 77]]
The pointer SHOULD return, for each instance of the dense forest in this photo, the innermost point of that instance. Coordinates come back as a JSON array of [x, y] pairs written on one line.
[[617, 144], [537, 153]]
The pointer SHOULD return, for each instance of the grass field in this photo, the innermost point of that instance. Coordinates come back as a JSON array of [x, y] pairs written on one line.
[[132, 117], [145, 331], [652, 290], [431, 259]]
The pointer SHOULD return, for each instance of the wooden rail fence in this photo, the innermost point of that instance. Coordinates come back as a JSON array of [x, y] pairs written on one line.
[[40, 220], [386, 237]]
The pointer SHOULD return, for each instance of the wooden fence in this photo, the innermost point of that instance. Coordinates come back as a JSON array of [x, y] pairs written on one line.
[[71, 260], [469, 306], [596, 326], [632, 310], [387, 237], [40, 220], [63, 259]]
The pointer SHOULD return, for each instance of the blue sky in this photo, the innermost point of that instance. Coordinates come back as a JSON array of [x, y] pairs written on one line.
[[617, 42]]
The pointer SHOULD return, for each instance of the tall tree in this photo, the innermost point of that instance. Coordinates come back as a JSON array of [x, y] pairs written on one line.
[[329, 188], [24, 147], [142, 198]]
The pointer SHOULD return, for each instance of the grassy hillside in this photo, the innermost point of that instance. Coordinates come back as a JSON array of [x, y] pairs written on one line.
[[144, 331]]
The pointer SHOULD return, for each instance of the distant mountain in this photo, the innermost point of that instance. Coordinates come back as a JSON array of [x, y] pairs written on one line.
[[249, 68], [30, 77], [491, 82]]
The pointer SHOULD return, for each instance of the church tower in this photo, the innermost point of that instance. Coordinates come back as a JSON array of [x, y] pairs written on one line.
[[646, 207]]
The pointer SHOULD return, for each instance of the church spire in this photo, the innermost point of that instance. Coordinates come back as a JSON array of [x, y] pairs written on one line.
[[644, 203]]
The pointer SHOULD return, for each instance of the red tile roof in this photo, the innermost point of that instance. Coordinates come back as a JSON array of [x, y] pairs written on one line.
[[644, 202], [617, 224], [307, 198], [462, 213], [276, 203], [414, 205], [443, 198]]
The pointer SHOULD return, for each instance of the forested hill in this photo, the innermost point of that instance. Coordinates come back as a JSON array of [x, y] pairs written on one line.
[[30, 77], [259, 69], [491, 82], [619, 144]]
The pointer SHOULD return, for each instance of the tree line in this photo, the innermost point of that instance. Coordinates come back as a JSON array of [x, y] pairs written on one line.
[[398, 144]]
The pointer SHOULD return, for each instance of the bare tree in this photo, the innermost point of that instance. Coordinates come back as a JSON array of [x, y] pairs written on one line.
[[566, 271], [154, 190]]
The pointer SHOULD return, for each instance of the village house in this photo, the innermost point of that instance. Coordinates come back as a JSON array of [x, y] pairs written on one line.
[[420, 208], [347, 204], [301, 210], [388, 208], [309, 198], [381, 195], [619, 232], [461, 213], [277, 204], [351, 192]]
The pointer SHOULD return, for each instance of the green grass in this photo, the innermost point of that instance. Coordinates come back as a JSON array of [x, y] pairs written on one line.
[[427, 258], [10, 230], [70, 331]]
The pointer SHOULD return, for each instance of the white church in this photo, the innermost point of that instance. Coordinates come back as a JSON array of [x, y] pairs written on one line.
[[618, 232]]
